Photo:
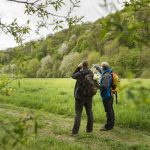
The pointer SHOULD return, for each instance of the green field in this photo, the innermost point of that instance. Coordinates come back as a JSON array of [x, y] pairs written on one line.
[[53, 102]]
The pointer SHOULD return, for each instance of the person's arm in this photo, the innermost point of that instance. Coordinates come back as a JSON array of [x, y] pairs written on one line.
[[76, 74], [106, 82], [98, 68]]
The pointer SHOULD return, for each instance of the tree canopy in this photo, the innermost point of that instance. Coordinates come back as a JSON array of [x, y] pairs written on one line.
[[121, 38]]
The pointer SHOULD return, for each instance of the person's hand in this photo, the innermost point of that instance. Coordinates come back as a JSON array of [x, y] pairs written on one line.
[[80, 65], [97, 67]]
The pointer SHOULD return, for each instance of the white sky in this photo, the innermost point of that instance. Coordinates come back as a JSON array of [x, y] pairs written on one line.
[[90, 9]]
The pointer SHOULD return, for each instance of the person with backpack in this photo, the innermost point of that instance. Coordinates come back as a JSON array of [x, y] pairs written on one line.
[[83, 97], [106, 82]]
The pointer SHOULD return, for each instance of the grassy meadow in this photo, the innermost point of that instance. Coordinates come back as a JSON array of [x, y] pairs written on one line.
[[53, 101]]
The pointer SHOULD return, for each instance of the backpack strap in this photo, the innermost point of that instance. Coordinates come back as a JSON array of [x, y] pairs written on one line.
[[116, 95]]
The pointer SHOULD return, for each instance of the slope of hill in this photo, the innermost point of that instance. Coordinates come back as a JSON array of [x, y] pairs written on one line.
[[122, 39]]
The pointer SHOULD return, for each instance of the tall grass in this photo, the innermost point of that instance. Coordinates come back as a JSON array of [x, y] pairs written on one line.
[[56, 96]]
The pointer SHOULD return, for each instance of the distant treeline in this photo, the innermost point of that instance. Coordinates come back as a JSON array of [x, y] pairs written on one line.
[[122, 39]]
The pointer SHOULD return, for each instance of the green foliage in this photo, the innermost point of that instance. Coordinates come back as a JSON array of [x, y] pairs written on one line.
[[4, 58], [15, 30], [63, 49], [120, 38], [127, 61], [41, 73], [128, 25], [18, 132], [6, 80], [145, 74], [69, 63], [32, 67], [111, 47], [56, 96], [46, 62], [43, 10], [51, 97], [93, 57]]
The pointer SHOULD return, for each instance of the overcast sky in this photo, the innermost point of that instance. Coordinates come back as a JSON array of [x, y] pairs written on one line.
[[90, 9]]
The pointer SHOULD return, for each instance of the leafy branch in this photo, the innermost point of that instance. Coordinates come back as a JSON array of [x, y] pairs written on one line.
[[126, 25], [47, 12], [15, 30], [19, 131]]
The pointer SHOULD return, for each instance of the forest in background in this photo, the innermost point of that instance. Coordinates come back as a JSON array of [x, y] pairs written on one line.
[[121, 38]]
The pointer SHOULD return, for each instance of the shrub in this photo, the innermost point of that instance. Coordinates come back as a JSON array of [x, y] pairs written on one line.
[[46, 62], [32, 67], [145, 74], [69, 63], [63, 48], [41, 73], [93, 57]]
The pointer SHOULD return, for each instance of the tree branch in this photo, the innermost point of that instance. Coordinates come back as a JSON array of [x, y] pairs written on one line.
[[24, 2], [43, 10]]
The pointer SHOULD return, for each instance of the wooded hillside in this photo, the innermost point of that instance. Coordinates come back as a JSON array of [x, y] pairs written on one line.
[[121, 38]]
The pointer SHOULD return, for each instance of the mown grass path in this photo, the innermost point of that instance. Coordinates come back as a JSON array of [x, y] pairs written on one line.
[[54, 132]]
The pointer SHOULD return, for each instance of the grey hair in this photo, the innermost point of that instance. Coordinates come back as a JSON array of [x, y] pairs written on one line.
[[105, 64]]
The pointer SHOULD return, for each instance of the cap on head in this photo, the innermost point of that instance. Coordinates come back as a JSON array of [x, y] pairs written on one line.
[[85, 64], [105, 65]]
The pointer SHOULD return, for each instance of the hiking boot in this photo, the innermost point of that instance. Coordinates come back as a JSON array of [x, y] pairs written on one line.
[[74, 135], [89, 130], [103, 129]]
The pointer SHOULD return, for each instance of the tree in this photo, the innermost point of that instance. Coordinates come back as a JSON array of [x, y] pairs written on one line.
[[129, 25], [32, 67], [69, 63], [93, 57], [4, 58], [41, 9], [46, 62], [41, 73], [13, 68], [126, 62], [63, 49]]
